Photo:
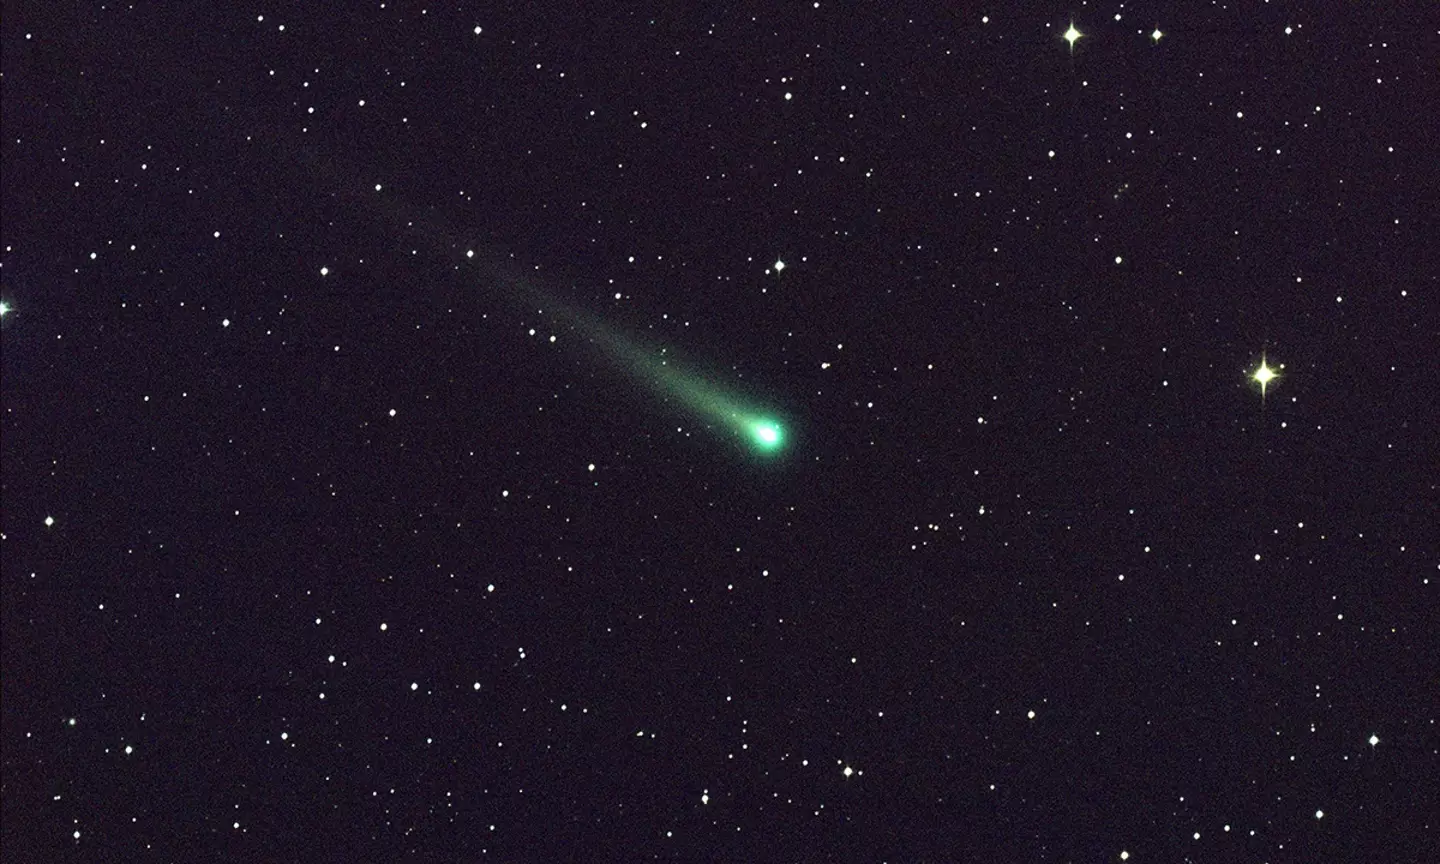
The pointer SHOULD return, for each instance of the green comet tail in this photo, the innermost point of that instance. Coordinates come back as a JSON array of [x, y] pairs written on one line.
[[755, 427], [761, 433], [758, 431]]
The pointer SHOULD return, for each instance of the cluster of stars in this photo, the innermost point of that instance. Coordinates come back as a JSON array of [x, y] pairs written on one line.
[[700, 516]]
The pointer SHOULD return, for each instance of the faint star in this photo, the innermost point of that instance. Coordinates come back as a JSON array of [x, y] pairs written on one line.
[[1071, 35]]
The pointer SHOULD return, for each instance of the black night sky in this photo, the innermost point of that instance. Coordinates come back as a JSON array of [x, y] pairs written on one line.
[[381, 388]]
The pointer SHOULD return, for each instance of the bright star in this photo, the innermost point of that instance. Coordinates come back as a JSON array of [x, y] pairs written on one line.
[[1156, 35], [1264, 375], [1071, 35], [4, 309]]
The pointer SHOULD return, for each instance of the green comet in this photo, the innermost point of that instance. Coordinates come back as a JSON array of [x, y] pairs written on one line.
[[756, 428], [759, 430], [762, 433], [768, 434]]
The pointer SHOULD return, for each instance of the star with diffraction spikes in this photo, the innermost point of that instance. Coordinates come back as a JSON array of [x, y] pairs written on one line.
[[1265, 374], [1072, 35]]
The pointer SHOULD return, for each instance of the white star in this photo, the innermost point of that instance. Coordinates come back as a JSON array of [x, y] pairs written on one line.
[[4, 309], [1155, 37], [1071, 35]]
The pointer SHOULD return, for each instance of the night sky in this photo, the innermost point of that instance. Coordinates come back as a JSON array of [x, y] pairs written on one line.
[[794, 433]]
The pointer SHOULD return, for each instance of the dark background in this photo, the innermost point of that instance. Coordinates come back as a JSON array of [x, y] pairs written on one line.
[[268, 619]]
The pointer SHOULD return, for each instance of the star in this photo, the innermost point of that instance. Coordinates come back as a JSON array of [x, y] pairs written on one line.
[[1155, 36], [1264, 375], [1071, 35], [4, 309]]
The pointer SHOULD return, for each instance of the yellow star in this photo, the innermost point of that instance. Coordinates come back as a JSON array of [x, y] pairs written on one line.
[[1071, 35], [1264, 375]]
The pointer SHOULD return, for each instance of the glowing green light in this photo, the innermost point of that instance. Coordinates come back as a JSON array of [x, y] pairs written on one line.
[[760, 432], [696, 392], [767, 434]]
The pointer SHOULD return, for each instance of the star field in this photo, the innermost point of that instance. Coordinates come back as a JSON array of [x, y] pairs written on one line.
[[789, 432]]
